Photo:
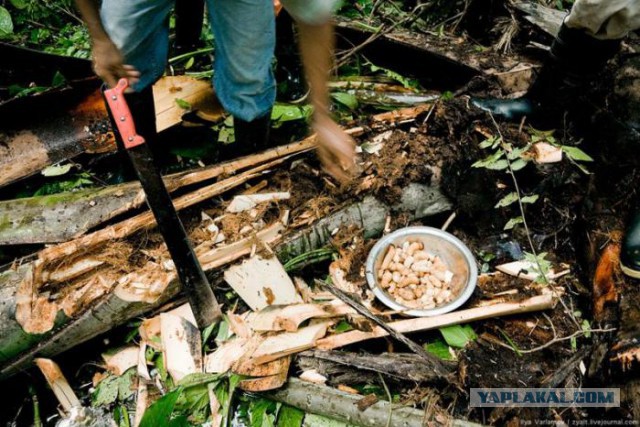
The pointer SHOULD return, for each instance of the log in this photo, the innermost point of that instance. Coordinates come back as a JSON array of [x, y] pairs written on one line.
[[27, 148], [61, 217], [78, 124], [17, 348], [403, 366], [537, 303], [547, 19], [341, 406]]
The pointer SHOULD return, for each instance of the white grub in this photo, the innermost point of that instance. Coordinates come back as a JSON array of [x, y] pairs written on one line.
[[415, 277]]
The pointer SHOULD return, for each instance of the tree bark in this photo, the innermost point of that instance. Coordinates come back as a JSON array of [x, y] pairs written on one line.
[[341, 406]]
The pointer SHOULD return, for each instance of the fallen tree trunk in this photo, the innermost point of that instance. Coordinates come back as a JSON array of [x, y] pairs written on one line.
[[17, 348], [61, 217], [402, 366], [79, 124], [547, 19], [341, 406]]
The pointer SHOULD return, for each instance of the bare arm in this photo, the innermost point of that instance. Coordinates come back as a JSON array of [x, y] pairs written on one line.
[[335, 148], [108, 62]]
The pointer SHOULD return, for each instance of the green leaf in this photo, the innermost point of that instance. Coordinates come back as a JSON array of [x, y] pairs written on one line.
[[56, 170], [19, 4], [489, 160], [576, 154], [226, 135], [290, 417], [530, 199], [125, 384], [286, 112], [258, 410], [507, 200], [224, 331], [586, 328], [183, 104], [513, 222], [189, 63], [58, 80], [6, 23], [159, 413], [458, 335], [198, 379], [343, 326], [347, 99], [439, 349], [106, 392], [518, 164], [498, 166], [313, 420]]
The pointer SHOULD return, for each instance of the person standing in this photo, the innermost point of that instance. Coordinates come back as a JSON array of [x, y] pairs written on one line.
[[130, 40]]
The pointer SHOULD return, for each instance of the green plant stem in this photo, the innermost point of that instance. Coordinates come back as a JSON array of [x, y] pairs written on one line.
[[190, 54], [524, 218]]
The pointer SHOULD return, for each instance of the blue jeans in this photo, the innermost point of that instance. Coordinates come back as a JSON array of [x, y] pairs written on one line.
[[244, 34]]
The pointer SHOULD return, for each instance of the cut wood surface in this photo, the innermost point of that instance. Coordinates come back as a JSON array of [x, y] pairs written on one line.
[[537, 303], [79, 124], [262, 282], [245, 202], [429, 358], [274, 367], [271, 382], [181, 346], [27, 148], [228, 353], [197, 93], [58, 383], [120, 361], [287, 343], [287, 317], [18, 347]]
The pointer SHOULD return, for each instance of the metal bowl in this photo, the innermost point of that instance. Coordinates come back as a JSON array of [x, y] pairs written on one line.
[[449, 248]]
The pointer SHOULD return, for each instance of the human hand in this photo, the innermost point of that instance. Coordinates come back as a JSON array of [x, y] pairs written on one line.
[[336, 149], [108, 64]]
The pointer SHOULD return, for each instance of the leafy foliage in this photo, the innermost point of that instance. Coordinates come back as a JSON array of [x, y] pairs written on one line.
[[458, 336]]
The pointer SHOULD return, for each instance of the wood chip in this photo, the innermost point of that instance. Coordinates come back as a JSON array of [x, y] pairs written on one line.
[[287, 343], [265, 383], [312, 376], [252, 277], [221, 360], [288, 318], [58, 383], [245, 202], [118, 363], [181, 345], [547, 153]]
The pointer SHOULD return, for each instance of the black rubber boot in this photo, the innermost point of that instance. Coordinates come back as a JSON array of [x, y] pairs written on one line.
[[250, 137], [575, 58], [189, 20], [630, 254]]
